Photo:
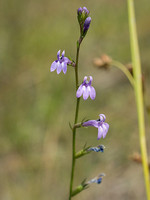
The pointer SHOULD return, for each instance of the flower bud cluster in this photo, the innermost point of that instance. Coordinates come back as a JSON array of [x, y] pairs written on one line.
[[84, 20]]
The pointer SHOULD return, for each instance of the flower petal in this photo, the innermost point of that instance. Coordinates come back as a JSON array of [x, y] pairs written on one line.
[[64, 67], [58, 54], [63, 53], [92, 92], [59, 67], [84, 80], [66, 60], [79, 91], [86, 92], [91, 79], [90, 123], [102, 117], [105, 127], [100, 132], [53, 66]]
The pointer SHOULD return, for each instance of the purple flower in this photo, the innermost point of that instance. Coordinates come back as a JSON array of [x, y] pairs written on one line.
[[100, 124], [86, 24], [60, 64], [86, 89]]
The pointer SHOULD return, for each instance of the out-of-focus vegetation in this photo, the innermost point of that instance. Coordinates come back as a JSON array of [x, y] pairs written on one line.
[[36, 105]]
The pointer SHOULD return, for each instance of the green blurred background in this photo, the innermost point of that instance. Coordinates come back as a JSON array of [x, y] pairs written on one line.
[[36, 105]]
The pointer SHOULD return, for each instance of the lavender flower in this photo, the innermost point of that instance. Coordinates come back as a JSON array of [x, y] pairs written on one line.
[[86, 25], [100, 124], [86, 89], [60, 64]]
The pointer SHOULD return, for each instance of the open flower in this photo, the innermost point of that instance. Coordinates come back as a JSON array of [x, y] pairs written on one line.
[[60, 64], [86, 89], [100, 124]]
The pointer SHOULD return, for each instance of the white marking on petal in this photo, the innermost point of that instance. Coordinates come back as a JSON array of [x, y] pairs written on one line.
[[85, 93], [64, 67], [59, 67], [100, 132]]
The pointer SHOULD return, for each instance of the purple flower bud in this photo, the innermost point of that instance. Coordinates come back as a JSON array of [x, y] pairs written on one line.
[[86, 89], [60, 64], [79, 11], [85, 10], [86, 24], [100, 124]]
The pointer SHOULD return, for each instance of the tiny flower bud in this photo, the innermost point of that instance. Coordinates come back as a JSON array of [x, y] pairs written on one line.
[[84, 20], [86, 25], [85, 10], [79, 11]]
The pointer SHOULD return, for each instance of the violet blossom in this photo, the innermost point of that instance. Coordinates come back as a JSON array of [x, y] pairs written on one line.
[[100, 124], [60, 64], [86, 89]]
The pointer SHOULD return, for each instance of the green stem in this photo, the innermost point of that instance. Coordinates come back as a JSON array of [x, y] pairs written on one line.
[[124, 70], [75, 121], [138, 92]]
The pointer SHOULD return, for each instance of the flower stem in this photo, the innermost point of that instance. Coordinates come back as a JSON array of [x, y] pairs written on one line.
[[75, 121], [124, 70], [138, 92]]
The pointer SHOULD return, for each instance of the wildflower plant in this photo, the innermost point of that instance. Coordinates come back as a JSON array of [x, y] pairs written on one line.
[[86, 90]]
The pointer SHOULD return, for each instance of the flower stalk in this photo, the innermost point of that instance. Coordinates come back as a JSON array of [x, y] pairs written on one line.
[[124, 69], [86, 90], [138, 92], [75, 121]]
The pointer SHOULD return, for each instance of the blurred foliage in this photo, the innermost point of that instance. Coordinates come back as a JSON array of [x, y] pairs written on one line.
[[36, 105]]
